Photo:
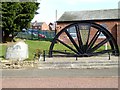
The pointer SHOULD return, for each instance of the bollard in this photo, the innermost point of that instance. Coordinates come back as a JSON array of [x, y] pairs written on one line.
[[109, 55], [65, 50], [76, 58], [43, 55]]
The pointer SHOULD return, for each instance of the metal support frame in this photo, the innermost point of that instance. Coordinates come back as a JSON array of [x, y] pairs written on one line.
[[43, 55], [109, 55]]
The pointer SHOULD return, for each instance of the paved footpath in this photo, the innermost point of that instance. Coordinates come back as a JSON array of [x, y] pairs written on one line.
[[60, 78]]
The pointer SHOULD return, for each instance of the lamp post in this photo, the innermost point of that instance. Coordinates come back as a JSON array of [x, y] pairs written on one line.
[[55, 22]]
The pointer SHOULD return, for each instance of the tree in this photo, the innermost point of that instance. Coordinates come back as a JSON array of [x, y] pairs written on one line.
[[16, 16]]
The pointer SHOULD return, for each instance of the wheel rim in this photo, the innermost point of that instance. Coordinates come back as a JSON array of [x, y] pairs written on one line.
[[85, 44]]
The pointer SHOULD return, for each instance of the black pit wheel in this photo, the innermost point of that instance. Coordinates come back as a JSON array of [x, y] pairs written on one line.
[[84, 39]]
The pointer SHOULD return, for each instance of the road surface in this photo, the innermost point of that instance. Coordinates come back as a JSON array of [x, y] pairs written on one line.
[[112, 72]]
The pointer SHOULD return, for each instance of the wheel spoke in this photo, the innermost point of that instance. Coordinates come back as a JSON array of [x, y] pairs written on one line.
[[79, 39], [67, 46], [102, 52], [83, 38], [72, 40], [64, 53], [92, 42], [84, 32], [88, 38], [58, 51], [99, 45]]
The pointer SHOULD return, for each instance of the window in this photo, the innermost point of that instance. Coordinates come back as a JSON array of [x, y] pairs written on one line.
[[102, 35], [104, 25], [72, 31]]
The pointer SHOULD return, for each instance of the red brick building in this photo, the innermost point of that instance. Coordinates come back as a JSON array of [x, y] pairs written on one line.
[[39, 25], [108, 18]]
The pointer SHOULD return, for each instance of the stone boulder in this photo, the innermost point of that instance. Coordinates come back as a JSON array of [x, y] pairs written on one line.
[[18, 51]]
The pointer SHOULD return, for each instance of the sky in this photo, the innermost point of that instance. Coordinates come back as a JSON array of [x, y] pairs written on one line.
[[47, 10]]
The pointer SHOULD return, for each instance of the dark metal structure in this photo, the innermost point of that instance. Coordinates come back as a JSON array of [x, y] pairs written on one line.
[[83, 42]]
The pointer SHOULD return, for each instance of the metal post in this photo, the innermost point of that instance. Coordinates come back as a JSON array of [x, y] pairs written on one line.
[[56, 22], [44, 55], [65, 50], [109, 55], [76, 58]]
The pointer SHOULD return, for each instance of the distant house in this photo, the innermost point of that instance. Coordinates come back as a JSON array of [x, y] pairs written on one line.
[[39, 25], [108, 18], [51, 26]]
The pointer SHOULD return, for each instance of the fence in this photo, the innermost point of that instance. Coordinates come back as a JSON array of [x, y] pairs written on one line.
[[36, 35], [45, 55]]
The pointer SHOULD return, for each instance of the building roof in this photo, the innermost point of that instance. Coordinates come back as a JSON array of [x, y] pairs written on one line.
[[37, 23], [89, 15]]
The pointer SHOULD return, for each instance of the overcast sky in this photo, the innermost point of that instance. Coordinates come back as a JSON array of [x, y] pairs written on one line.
[[47, 11]]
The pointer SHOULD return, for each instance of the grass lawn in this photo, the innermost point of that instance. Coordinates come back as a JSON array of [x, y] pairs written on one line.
[[33, 45], [42, 45], [2, 50]]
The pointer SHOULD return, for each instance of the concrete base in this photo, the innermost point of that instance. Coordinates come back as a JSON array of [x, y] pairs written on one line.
[[81, 62]]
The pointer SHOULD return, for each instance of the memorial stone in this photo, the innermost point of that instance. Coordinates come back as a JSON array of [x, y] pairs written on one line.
[[18, 51]]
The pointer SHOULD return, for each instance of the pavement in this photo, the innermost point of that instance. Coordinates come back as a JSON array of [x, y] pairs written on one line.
[[96, 62]]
